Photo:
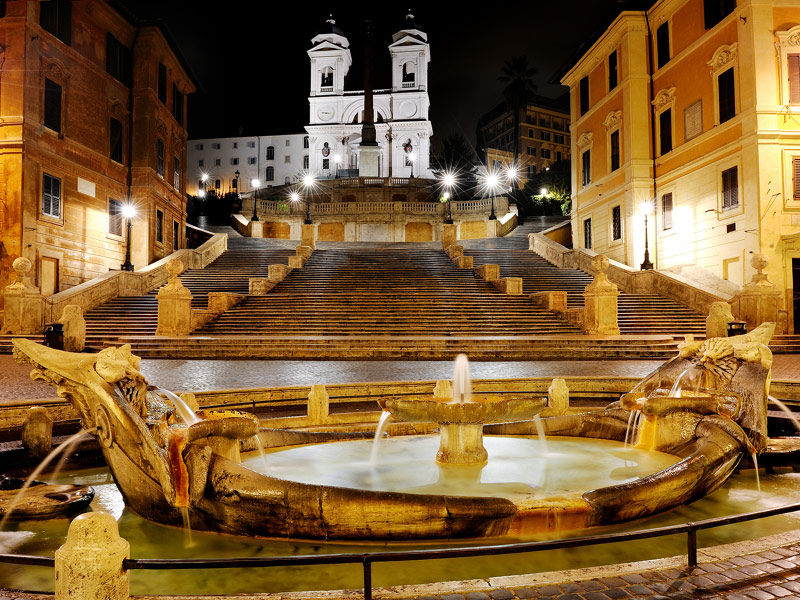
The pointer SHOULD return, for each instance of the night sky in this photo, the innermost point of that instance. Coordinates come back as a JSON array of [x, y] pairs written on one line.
[[251, 62]]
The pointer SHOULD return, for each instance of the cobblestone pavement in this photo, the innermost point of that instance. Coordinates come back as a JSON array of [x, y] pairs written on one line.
[[199, 375]]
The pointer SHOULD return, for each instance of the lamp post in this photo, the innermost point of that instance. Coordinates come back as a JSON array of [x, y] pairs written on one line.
[[308, 182], [491, 183], [128, 212], [646, 209], [337, 158], [256, 183], [449, 181], [411, 158], [203, 183], [511, 178]]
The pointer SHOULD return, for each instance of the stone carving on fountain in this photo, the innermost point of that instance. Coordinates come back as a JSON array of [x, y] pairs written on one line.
[[706, 406]]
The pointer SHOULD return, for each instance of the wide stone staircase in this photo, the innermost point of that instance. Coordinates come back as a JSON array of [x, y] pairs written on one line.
[[638, 313], [125, 317]]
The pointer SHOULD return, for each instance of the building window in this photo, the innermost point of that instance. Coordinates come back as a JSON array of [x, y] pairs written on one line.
[[288, 143], [586, 168], [251, 144], [545, 153], [584, 95], [726, 95], [326, 164], [662, 44], [51, 196], [55, 16], [217, 184], [215, 146], [531, 171], [176, 228], [159, 226], [665, 131], [198, 146], [612, 70], [305, 142], [115, 217], [52, 105], [270, 153], [234, 161], [530, 133], [531, 151], [201, 163], [270, 173], [559, 156], [287, 159], [235, 183], [305, 161], [115, 140], [160, 156], [162, 83], [614, 147], [730, 188], [217, 162], [544, 136], [326, 79], [558, 138], [176, 173], [616, 223], [251, 160], [235, 145], [118, 60], [716, 10], [177, 104], [587, 234], [666, 211]]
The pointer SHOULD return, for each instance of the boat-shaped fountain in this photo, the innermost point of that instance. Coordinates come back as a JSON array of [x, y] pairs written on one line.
[[169, 470]]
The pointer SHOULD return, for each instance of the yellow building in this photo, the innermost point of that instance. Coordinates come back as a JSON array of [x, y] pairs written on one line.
[[92, 113], [711, 88]]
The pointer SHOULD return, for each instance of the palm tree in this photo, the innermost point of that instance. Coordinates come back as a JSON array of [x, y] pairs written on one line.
[[518, 75]]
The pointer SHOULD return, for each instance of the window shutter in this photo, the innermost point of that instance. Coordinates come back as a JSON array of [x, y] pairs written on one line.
[[794, 78], [796, 177]]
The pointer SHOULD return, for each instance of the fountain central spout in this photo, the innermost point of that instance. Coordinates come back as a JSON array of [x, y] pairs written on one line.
[[462, 382]]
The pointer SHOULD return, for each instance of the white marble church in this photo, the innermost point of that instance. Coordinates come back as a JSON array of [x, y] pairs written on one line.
[[402, 127]]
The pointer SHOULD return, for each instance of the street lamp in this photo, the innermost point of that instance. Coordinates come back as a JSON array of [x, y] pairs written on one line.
[[491, 183], [203, 183], [511, 178], [647, 208], [411, 158], [255, 183], [128, 211], [308, 183], [449, 181]]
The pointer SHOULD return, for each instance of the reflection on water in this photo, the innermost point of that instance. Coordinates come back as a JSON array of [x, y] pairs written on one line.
[[149, 540]]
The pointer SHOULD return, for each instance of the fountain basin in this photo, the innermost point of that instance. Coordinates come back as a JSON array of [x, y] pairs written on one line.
[[41, 500]]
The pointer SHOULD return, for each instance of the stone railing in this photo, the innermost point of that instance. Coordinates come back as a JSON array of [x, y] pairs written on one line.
[[460, 208], [627, 278], [113, 284]]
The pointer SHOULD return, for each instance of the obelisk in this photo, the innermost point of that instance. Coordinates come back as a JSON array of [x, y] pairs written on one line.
[[369, 154]]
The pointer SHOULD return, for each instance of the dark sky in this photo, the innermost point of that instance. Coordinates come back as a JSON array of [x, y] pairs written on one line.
[[251, 61]]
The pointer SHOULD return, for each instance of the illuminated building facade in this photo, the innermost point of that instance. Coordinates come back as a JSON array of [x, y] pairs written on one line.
[[690, 111], [93, 112]]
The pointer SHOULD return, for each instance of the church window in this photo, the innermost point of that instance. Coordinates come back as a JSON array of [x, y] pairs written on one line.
[[270, 173], [326, 80], [270, 153], [51, 196], [409, 74]]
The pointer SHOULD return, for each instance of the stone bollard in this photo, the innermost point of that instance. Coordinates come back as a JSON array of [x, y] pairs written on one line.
[[259, 286], [37, 432], [296, 262], [276, 273], [89, 564], [552, 301], [443, 389], [454, 251], [719, 315], [464, 262], [600, 301], [488, 272], [304, 251], [509, 285], [24, 304], [74, 328], [318, 404], [174, 304], [308, 235], [558, 397], [449, 235]]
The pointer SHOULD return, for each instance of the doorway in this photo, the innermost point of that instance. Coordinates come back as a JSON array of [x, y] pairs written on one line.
[[48, 275]]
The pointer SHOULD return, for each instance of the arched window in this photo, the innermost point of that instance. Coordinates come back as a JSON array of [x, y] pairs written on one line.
[[305, 142], [305, 161], [326, 78], [270, 152], [270, 173]]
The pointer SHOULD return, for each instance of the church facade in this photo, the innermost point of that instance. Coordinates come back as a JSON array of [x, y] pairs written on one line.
[[402, 125]]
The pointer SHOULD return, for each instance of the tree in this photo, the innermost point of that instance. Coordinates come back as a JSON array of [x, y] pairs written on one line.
[[517, 75], [552, 189]]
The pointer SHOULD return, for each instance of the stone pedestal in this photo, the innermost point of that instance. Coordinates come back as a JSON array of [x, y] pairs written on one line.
[[74, 328], [277, 273], [369, 158], [509, 285], [552, 301], [308, 235], [454, 251], [37, 431], [600, 301], [89, 564], [464, 262], [449, 235], [719, 315], [318, 405], [259, 286], [760, 301], [558, 397], [304, 252], [174, 304], [488, 272], [461, 444], [24, 304]]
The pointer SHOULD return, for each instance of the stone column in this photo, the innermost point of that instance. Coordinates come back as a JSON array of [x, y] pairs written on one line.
[[449, 235], [74, 328], [308, 236], [24, 304], [600, 301], [174, 304], [760, 301], [89, 564], [37, 431]]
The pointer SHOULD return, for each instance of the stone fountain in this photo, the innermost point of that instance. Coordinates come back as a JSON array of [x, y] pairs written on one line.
[[169, 470]]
